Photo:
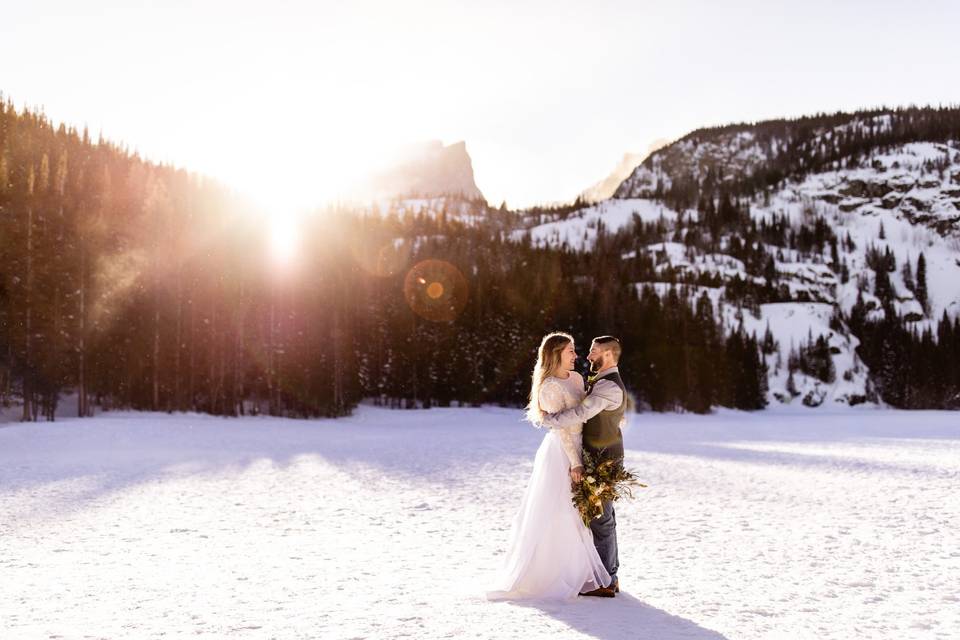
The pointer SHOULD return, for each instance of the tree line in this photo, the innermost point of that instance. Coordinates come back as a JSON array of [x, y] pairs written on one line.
[[138, 285]]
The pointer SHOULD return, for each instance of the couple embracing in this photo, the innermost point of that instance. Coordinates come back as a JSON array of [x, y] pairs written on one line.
[[551, 552]]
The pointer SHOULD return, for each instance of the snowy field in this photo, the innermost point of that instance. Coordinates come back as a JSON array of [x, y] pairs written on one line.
[[388, 524]]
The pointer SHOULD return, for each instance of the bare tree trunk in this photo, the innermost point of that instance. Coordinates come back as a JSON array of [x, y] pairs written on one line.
[[177, 400], [271, 356], [415, 378], [222, 374], [5, 376], [156, 354], [212, 390], [279, 349], [193, 346], [213, 386], [52, 386], [337, 364], [28, 413], [155, 397], [238, 358], [82, 374]]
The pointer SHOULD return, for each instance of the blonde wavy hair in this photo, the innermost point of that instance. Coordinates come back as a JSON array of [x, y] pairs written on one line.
[[548, 359]]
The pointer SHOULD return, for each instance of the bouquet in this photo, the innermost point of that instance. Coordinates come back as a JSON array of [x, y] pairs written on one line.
[[603, 481]]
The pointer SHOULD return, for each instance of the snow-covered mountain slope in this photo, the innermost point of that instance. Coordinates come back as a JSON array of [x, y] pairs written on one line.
[[813, 210], [694, 157], [579, 230], [896, 197], [792, 323], [900, 181]]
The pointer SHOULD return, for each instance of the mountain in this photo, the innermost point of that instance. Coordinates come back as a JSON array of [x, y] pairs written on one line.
[[797, 262], [835, 239], [608, 186], [428, 170]]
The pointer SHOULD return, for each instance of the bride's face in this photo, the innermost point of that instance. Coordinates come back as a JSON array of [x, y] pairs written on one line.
[[568, 357]]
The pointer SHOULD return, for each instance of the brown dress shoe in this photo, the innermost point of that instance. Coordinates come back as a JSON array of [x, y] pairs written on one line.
[[602, 592], [615, 585]]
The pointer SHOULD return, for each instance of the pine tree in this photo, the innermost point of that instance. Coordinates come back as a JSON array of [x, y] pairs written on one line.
[[908, 275], [792, 385], [921, 284], [769, 344]]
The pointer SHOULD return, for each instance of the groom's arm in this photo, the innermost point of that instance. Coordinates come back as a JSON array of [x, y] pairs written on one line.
[[606, 394]]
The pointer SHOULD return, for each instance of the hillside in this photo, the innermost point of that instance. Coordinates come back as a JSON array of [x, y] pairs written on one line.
[[845, 227]]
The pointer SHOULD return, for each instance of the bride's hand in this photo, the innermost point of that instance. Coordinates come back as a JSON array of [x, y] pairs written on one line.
[[576, 474]]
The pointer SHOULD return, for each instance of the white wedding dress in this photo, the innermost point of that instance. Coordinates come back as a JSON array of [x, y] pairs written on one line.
[[551, 552]]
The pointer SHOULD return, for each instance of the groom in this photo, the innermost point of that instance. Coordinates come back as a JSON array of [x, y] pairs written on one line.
[[601, 411]]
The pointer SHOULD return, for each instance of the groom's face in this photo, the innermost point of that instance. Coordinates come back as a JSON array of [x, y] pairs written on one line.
[[596, 357], [593, 357]]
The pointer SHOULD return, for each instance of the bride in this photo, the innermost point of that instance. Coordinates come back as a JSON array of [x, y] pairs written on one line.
[[551, 552]]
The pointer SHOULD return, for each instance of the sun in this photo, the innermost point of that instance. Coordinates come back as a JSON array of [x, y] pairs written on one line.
[[281, 214], [284, 244]]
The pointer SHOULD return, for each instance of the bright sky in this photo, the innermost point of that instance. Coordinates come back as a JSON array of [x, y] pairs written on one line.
[[291, 99]]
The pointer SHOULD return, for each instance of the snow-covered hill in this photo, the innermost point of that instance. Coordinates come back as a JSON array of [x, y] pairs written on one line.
[[823, 204], [579, 230], [916, 210], [695, 157]]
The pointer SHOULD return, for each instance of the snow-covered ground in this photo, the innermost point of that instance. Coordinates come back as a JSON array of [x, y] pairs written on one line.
[[802, 524]]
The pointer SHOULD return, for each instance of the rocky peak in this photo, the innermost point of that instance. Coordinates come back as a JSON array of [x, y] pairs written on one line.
[[427, 170]]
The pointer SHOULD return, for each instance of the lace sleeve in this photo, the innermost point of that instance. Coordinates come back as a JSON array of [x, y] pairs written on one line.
[[552, 401], [581, 387], [551, 397], [572, 445]]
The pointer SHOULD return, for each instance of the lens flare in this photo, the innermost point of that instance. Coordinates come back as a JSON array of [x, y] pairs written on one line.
[[436, 290]]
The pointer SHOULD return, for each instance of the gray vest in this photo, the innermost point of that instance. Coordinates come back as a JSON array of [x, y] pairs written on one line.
[[602, 431]]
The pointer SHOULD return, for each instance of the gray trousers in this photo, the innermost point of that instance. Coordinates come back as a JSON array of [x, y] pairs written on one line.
[[605, 539]]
